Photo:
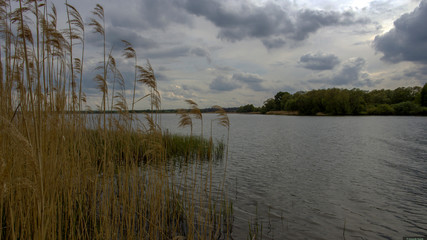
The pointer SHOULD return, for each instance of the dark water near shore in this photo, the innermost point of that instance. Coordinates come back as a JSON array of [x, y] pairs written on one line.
[[324, 177]]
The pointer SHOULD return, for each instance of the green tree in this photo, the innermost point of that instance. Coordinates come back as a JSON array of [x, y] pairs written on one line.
[[291, 104], [357, 101], [382, 109], [311, 102], [402, 95], [424, 96], [246, 108], [376, 97], [269, 105], [337, 102], [405, 108], [280, 100]]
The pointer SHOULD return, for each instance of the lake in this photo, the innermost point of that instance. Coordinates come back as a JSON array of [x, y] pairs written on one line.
[[323, 177]]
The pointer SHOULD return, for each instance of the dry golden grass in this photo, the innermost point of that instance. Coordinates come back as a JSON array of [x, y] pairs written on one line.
[[60, 179]]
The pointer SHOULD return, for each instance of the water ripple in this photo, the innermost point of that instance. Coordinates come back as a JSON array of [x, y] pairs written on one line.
[[325, 177]]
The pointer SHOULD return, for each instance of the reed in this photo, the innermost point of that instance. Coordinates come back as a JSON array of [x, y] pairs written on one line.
[[69, 175]]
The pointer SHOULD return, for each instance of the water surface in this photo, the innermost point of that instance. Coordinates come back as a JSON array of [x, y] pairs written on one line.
[[324, 177]]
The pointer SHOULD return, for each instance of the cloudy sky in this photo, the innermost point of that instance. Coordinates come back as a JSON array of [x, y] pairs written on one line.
[[235, 52]]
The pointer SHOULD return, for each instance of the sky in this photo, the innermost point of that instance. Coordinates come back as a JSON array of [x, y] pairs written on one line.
[[238, 52]]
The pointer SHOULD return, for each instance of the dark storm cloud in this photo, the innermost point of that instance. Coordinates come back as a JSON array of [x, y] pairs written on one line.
[[251, 80], [319, 61], [407, 41], [249, 21], [350, 74], [174, 52], [268, 22], [271, 43], [309, 21], [417, 74], [200, 52], [149, 14], [179, 51], [223, 84], [115, 35]]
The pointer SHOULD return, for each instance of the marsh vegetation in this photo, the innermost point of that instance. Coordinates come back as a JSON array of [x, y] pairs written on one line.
[[60, 178]]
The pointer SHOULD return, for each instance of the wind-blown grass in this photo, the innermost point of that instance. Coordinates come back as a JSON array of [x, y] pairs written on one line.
[[60, 178], [192, 147], [175, 146]]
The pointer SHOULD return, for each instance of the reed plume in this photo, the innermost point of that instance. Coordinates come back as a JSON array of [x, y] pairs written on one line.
[[77, 32], [147, 77], [185, 120], [99, 28], [129, 52], [194, 110]]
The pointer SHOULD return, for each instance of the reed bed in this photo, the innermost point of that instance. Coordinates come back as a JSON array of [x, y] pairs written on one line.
[[59, 178]]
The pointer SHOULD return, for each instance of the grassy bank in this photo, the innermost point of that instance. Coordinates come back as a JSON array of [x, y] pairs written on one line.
[[60, 178]]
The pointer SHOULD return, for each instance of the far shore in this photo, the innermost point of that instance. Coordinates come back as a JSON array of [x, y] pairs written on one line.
[[292, 113], [233, 111]]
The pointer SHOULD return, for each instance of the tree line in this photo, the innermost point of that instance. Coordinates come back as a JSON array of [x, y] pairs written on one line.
[[335, 101]]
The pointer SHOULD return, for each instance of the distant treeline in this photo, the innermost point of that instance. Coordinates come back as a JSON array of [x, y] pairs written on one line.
[[205, 110], [334, 101]]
